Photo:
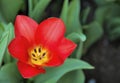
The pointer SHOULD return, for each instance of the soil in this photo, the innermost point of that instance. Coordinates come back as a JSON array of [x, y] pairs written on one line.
[[105, 57]]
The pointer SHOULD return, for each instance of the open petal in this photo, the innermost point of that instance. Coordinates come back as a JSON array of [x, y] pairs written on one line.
[[18, 48], [65, 48], [50, 32], [27, 71], [25, 26], [55, 60], [61, 52]]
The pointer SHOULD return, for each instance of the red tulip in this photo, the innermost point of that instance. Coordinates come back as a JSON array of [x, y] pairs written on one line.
[[39, 45]]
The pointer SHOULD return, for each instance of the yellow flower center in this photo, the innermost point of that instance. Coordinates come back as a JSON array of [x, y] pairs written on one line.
[[38, 56]]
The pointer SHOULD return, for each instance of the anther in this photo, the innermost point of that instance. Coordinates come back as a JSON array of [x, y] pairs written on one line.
[[33, 55], [35, 50], [34, 59], [40, 58], [43, 54], [39, 49], [38, 55]]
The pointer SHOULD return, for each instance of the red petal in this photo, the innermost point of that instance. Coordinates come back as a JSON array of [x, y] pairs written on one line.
[[19, 48], [25, 26], [55, 60], [27, 71], [64, 49], [50, 32]]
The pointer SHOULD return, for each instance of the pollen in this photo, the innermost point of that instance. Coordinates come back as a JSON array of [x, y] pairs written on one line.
[[39, 55]]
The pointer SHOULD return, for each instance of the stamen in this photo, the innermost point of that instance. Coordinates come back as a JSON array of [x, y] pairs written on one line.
[[35, 50], [39, 49], [40, 58], [33, 55], [39, 55], [43, 54], [34, 59]]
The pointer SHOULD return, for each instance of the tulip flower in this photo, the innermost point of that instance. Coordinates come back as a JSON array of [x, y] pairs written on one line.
[[37, 46]]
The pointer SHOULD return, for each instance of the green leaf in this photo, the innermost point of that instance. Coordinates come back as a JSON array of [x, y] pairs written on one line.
[[74, 28], [114, 33], [106, 12], [73, 77], [35, 2], [38, 10], [10, 28], [1, 29], [30, 6], [3, 45], [64, 11], [2, 19], [54, 74], [10, 8], [100, 14], [85, 14], [76, 37], [103, 2], [113, 28], [113, 22], [113, 11], [93, 32], [10, 74], [79, 49], [79, 39], [73, 23]]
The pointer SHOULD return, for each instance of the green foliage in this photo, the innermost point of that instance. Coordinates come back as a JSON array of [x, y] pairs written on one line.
[[73, 77], [1, 29], [10, 8], [106, 12], [54, 74], [76, 37], [70, 15], [3, 45], [93, 32], [10, 74], [104, 2], [113, 28], [109, 13], [4, 41], [73, 23], [10, 29], [115, 33], [41, 6], [85, 14], [64, 11]]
